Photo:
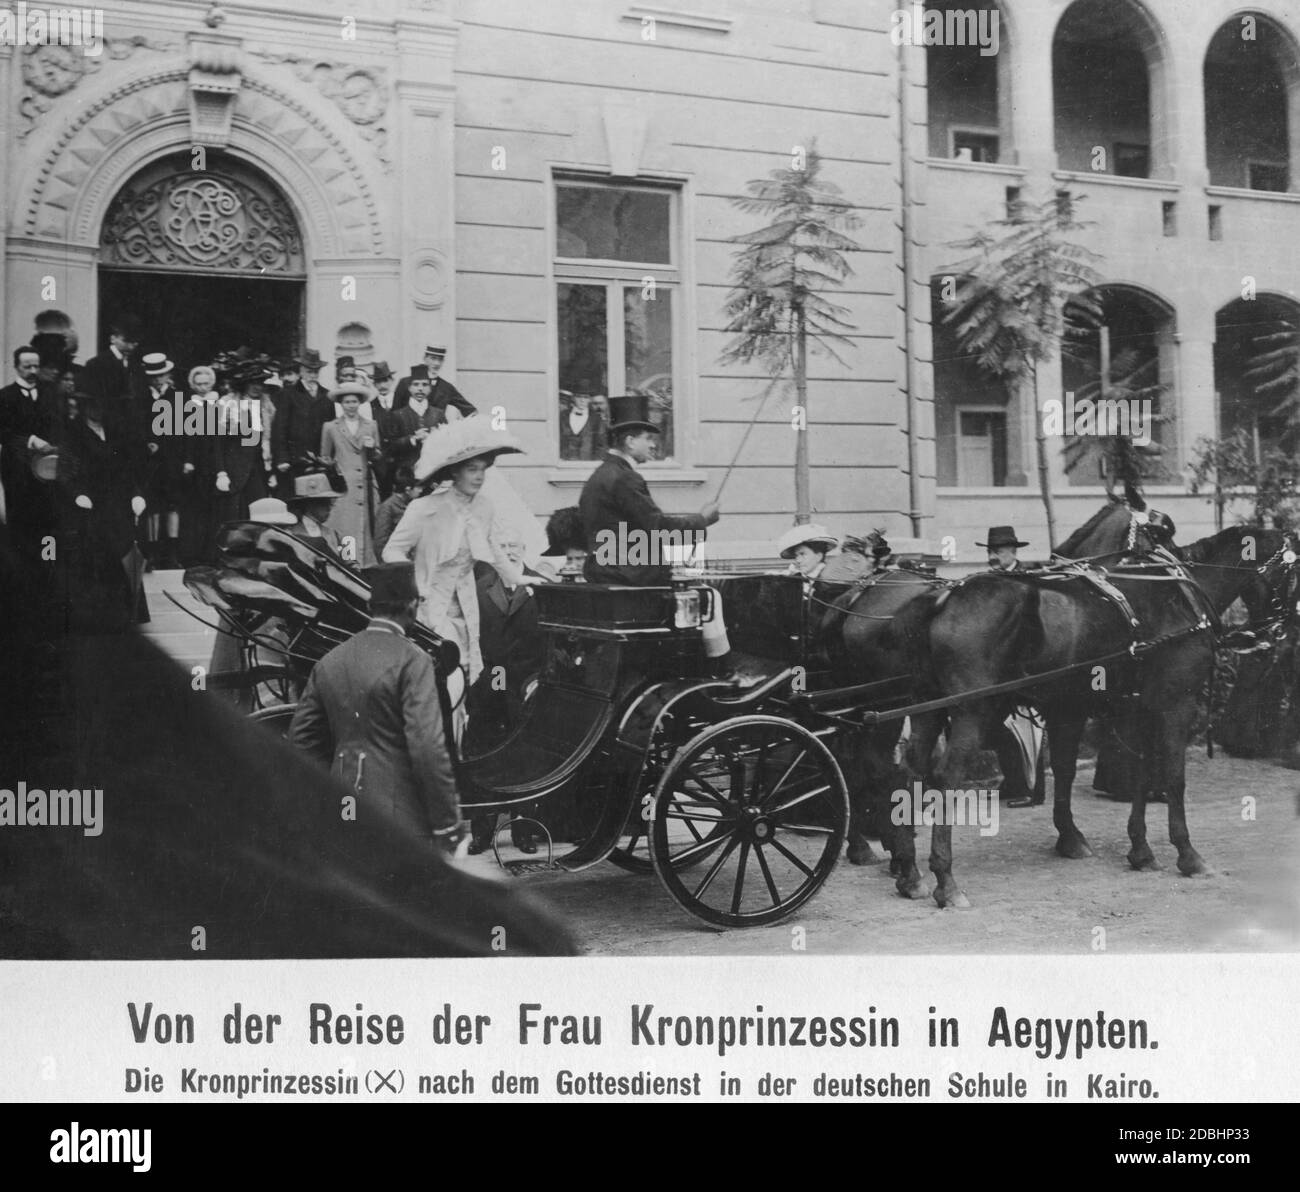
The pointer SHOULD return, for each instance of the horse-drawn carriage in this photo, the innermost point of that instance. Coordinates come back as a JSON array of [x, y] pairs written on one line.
[[737, 797], [733, 796]]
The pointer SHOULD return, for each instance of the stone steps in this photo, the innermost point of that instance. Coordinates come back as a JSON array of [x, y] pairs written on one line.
[[174, 631]]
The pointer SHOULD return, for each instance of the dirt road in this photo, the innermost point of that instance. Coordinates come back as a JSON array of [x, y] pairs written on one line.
[[1023, 897]]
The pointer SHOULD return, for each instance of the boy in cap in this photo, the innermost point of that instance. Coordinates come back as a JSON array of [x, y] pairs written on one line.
[[370, 713]]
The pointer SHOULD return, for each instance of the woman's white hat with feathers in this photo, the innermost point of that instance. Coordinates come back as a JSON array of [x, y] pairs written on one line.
[[455, 442]]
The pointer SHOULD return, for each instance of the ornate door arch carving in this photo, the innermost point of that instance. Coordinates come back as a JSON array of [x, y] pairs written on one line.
[[229, 219]]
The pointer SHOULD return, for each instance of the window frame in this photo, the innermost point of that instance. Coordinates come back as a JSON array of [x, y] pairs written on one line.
[[960, 408], [975, 130], [615, 275]]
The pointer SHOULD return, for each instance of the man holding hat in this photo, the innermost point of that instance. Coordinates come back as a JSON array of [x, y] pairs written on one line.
[[1018, 734], [29, 427], [441, 393], [370, 713]]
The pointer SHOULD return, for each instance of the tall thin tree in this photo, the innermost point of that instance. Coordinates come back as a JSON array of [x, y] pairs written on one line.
[[776, 310], [1020, 297]]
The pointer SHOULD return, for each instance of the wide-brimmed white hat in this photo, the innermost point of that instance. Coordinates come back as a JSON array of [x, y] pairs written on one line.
[[271, 512], [455, 442], [809, 535], [156, 364]]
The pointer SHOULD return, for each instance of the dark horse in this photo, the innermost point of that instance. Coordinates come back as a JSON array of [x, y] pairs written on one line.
[[993, 629], [871, 632]]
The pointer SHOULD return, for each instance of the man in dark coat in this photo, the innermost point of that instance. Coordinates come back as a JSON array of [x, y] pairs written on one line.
[[238, 455], [617, 507], [115, 376], [370, 712], [584, 427], [1002, 546], [410, 424], [29, 426], [442, 393], [303, 410]]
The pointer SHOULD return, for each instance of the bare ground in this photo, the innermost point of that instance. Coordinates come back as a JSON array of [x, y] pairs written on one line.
[[1024, 898]]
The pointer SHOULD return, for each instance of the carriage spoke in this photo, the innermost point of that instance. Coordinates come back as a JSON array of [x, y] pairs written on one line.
[[767, 876], [710, 791], [819, 829], [703, 848], [789, 856], [780, 782], [674, 811], [739, 888], [732, 841], [812, 794]]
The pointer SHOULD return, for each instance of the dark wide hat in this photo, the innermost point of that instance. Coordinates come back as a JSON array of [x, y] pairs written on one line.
[[391, 583], [630, 412], [1000, 536], [311, 359]]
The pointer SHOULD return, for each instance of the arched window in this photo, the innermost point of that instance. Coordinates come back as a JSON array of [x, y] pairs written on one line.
[[966, 83], [1257, 367], [977, 432], [1252, 84], [1107, 83], [1127, 359]]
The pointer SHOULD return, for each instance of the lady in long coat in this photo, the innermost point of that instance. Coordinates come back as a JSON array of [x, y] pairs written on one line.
[[352, 442], [447, 531]]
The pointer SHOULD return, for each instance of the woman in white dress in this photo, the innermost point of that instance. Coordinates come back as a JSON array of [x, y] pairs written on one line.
[[471, 518]]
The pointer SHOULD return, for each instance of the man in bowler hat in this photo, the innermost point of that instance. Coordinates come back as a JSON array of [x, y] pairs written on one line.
[[304, 409], [370, 713]]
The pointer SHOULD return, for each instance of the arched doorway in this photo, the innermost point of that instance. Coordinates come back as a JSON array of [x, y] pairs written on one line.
[[208, 260]]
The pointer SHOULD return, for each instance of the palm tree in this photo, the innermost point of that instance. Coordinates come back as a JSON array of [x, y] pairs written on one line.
[[1020, 296], [776, 309]]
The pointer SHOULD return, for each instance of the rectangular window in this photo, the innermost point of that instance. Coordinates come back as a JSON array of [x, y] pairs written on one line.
[[1216, 222], [1169, 218], [981, 448], [1268, 175], [974, 144], [615, 253]]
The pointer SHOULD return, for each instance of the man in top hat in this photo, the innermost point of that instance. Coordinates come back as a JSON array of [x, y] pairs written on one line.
[[442, 393], [1002, 546], [1019, 730], [370, 713], [616, 508], [303, 411]]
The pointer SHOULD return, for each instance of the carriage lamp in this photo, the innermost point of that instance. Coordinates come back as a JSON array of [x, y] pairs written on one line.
[[687, 613]]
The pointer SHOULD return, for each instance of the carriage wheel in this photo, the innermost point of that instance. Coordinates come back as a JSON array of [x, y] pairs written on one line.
[[763, 802]]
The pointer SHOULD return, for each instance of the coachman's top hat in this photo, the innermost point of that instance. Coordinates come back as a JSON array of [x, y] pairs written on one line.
[[1000, 536], [630, 412], [391, 583]]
